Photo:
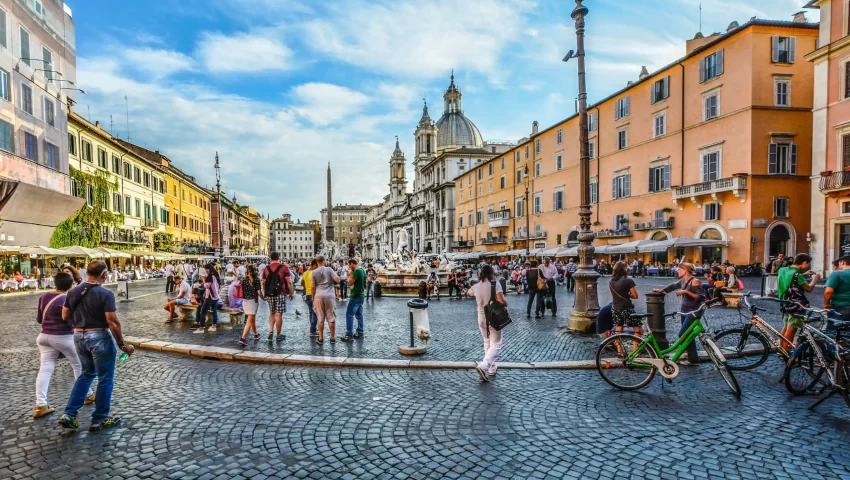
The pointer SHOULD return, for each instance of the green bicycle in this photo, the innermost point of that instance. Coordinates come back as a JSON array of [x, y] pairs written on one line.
[[629, 362]]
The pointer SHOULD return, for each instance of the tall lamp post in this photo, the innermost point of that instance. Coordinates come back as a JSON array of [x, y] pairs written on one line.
[[586, 305], [527, 213]]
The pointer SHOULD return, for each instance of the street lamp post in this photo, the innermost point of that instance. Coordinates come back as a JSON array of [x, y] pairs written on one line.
[[586, 305], [527, 216]]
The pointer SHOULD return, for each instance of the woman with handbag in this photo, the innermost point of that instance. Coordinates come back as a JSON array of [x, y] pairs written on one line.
[[483, 292], [537, 288], [251, 292], [623, 290]]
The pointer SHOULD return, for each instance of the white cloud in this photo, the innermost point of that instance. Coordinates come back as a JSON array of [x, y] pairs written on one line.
[[157, 62], [324, 104], [243, 52]]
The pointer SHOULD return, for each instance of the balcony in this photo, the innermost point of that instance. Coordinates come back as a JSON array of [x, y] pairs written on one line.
[[534, 235], [502, 218], [834, 182], [669, 223], [462, 244], [492, 240], [608, 233], [118, 235], [737, 185], [150, 224]]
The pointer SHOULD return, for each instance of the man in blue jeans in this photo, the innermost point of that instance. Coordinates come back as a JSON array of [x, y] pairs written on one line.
[[357, 280], [90, 310]]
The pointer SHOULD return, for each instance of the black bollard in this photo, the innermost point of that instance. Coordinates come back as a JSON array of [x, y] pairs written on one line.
[[655, 309]]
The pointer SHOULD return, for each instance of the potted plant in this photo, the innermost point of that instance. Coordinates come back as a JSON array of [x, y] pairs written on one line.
[[667, 209], [597, 223], [826, 173], [636, 214]]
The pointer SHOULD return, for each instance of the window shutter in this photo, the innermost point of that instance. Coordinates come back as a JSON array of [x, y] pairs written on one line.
[[771, 158], [702, 168], [628, 189], [845, 158], [614, 190], [666, 92], [792, 164], [792, 49], [774, 48], [702, 70], [617, 107], [651, 178], [666, 177], [707, 107], [628, 105], [720, 62], [653, 94]]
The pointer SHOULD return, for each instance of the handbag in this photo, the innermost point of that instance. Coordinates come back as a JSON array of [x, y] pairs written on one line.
[[237, 292], [541, 281], [496, 312]]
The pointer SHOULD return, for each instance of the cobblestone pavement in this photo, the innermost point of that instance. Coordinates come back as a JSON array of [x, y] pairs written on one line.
[[201, 419], [453, 323]]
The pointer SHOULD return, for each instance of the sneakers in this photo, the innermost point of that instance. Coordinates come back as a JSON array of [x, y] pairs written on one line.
[[271, 336], [358, 336], [257, 337], [348, 338], [108, 422], [211, 329], [281, 338], [316, 334], [42, 410], [199, 330], [482, 374], [243, 342], [89, 399], [67, 421]]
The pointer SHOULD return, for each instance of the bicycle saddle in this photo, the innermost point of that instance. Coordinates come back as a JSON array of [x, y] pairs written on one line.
[[640, 316]]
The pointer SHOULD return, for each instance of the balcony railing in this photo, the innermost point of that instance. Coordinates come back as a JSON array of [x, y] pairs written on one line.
[[150, 223], [502, 218], [608, 233], [835, 181], [123, 236], [669, 223], [534, 235], [462, 243], [492, 240], [736, 185]]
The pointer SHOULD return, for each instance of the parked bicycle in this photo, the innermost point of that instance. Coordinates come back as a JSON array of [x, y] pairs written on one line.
[[629, 362]]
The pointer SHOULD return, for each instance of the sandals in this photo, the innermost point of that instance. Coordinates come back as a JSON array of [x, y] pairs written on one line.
[[320, 341], [333, 341]]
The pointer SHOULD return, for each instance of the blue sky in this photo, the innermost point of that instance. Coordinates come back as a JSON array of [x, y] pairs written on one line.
[[282, 87]]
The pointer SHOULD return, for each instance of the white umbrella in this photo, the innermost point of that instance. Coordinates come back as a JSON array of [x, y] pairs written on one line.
[[110, 253], [77, 251], [7, 249], [42, 250]]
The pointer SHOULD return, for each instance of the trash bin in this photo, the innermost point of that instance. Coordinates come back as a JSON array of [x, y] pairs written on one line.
[[423, 290], [419, 327], [655, 309], [378, 289]]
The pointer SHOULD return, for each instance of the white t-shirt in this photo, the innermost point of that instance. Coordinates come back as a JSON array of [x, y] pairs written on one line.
[[261, 268], [189, 269], [184, 289], [229, 268], [169, 270], [481, 291], [240, 272]]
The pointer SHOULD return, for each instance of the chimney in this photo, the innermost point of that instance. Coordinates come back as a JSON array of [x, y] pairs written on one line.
[[800, 17], [732, 26], [629, 83], [643, 72], [534, 127], [97, 123]]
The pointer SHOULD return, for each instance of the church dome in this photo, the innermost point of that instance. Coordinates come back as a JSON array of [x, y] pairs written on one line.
[[455, 130]]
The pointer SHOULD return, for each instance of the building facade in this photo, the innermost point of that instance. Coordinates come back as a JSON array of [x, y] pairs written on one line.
[[347, 225], [292, 240], [830, 213], [136, 185], [37, 76], [709, 147]]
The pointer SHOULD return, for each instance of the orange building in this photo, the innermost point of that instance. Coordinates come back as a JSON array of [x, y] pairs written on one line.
[[712, 146], [830, 192]]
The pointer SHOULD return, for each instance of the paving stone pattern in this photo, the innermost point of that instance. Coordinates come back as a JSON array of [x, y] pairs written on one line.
[[453, 322]]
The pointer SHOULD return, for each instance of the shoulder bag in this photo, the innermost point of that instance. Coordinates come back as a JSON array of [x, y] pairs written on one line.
[[541, 281], [496, 312], [47, 307]]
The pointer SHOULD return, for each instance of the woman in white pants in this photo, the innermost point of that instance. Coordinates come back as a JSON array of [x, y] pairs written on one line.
[[56, 337], [492, 337]]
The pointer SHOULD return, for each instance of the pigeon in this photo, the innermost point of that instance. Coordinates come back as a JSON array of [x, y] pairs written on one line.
[[297, 313]]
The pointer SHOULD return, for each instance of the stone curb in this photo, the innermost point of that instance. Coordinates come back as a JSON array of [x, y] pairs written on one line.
[[233, 354]]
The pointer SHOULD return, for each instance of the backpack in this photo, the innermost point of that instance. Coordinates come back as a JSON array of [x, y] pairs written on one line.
[[272, 285], [496, 312], [794, 293]]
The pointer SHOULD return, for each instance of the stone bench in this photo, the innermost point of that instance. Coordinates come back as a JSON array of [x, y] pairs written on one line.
[[235, 315]]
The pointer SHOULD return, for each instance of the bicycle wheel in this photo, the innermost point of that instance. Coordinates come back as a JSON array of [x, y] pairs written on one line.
[[802, 371], [720, 365], [743, 351], [843, 380], [613, 368]]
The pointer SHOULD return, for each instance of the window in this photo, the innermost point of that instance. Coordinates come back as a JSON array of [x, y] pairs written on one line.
[[480, 189], [490, 186], [622, 186], [147, 178], [537, 147], [116, 165], [558, 200], [711, 66], [25, 46], [847, 80], [503, 163], [622, 108], [782, 159], [591, 149], [537, 168], [780, 207], [87, 151], [517, 156], [519, 174], [7, 141], [782, 93], [49, 113], [102, 158], [47, 56], [3, 35], [660, 124], [659, 178], [845, 151], [479, 217], [31, 146], [711, 105], [38, 8], [559, 136], [470, 222], [490, 169], [783, 49], [594, 192], [480, 174], [538, 203], [661, 89], [116, 202], [526, 152], [72, 144], [137, 175], [4, 84], [51, 155], [622, 138], [591, 122], [711, 211], [559, 162], [621, 222], [89, 195], [503, 182], [26, 98], [127, 169], [710, 166], [127, 210], [520, 207]]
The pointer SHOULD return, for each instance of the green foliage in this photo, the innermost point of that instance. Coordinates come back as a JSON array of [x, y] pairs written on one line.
[[163, 242], [83, 228]]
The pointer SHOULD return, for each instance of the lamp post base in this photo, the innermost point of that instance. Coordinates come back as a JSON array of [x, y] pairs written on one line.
[[408, 350], [582, 322]]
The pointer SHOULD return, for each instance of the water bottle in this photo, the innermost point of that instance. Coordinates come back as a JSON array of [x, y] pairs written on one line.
[[124, 355]]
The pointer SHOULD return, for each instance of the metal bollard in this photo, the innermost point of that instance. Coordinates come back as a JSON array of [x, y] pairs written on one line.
[[655, 309]]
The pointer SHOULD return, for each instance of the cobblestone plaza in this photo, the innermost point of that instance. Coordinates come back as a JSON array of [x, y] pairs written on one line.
[[186, 417]]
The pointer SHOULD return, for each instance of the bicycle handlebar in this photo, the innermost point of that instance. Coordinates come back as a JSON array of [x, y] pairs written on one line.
[[706, 305], [819, 311]]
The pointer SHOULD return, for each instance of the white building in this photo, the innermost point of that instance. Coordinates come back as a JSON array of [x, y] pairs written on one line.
[[292, 240]]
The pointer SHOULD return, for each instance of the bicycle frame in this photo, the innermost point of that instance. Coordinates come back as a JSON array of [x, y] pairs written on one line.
[[772, 334], [678, 348], [809, 333]]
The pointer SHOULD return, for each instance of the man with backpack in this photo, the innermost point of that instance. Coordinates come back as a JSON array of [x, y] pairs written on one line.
[[792, 287], [277, 285]]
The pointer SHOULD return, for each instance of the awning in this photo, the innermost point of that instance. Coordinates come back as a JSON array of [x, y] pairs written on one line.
[[30, 213], [682, 242], [44, 251], [568, 252], [552, 252], [150, 255], [77, 251], [631, 247], [110, 253], [9, 249]]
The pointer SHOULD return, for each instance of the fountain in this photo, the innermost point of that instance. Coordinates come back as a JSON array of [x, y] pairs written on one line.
[[404, 271]]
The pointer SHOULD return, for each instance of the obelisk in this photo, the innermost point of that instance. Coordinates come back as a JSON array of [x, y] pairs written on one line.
[[329, 226]]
